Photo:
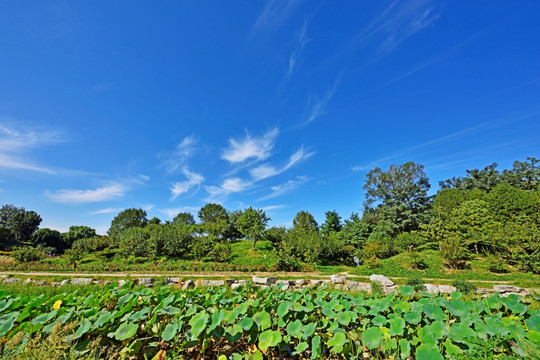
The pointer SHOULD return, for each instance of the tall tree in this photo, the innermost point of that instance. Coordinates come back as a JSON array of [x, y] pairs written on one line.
[[77, 232], [214, 219], [305, 221], [127, 219], [399, 196], [252, 224], [20, 222], [485, 179], [332, 223], [184, 218]]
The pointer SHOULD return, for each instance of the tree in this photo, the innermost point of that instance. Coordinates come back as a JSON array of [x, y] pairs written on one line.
[[524, 174], [20, 222], [127, 219], [184, 218], [77, 232], [399, 196], [7, 240], [154, 221], [48, 238], [332, 223], [252, 224], [355, 232], [214, 219], [305, 221], [485, 179]]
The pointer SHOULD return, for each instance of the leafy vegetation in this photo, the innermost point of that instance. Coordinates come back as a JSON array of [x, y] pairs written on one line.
[[251, 323]]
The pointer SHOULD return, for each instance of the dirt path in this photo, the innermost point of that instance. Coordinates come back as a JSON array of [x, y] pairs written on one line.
[[224, 275]]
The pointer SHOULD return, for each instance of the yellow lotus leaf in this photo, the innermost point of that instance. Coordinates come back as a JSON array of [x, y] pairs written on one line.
[[57, 304]]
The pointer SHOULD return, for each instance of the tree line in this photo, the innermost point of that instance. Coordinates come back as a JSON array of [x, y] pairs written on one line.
[[486, 212]]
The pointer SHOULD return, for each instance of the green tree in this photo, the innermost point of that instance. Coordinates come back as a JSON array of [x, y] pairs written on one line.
[[7, 240], [154, 221], [184, 218], [304, 221], [77, 232], [20, 222], [252, 224], [127, 219], [332, 223], [524, 174], [48, 238], [356, 231], [399, 196], [214, 219]]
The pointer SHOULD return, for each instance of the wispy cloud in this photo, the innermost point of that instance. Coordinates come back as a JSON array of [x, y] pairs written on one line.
[[399, 21], [106, 211], [228, 186], [273, 207], [17, 141], [74, 196], [266, 170], [316, 106], [172, 212], [287, 187], [273, 16], [177, 159], [194, 180], [301, 41], [258, 148]]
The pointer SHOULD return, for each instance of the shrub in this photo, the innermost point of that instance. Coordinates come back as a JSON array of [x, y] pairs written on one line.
[[333, 247], [464, 286], [287, 261], [454, 253], [275, 235], [417, 261], [376, 287], [28, 254], [202, 246], [221, 252], [372, 262], [93, 244], [134, 241], [304, 245], [495, 264], [73, 256], [416, 283], [408, 241]]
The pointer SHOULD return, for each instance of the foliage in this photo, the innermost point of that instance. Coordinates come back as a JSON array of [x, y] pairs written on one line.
[[275, 234], [495, 264], [26, 254], [417, 283], [214, 218], [133, 241], [184, 218], [464, 286], [73, 256], [304, 221], [252, 224], [127, 219], [332, 223], [93, 244], [202, 246], [7, 239], [399, 195], [453, 252], [48, 238], [20, 222], [355, 232], [221, 252], [304, 245]]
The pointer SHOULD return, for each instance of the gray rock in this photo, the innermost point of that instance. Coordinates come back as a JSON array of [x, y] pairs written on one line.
[[27, 281], [363, 287], [64, 282], [383, 280], [236, 285], [315, 282], [446, 289], [212, 282], [188, 284], [507, 289], [301, 282], [11, 280], [338, 279], [3, 276], [390, 289], [145, 281], [285, 287], [55, 283], [40, 282], [81, 281], [121, 283], [243, 282], [432, 289], [264, 280], [108, 282], [96, 282], [229, 281], [173, 280]]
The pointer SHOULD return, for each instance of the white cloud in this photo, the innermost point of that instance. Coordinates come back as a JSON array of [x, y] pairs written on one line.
[[287, 187], [265, 170], [274, 14], [106, 211], [235, 185], [258, 148], [172, 212], [302, 41], [181, 187], [177, 158], [317, 106], [273, 207], [17, 140], [73, 196]]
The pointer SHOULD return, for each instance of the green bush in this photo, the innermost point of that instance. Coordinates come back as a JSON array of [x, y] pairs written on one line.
[[202, 246], [275, 235], [304, 245], [464, 286], [495, 264], [28, 254], [376, 287], [133, 241], [93, 244], [417, 261], [416, 283], [408, 241], [286, 260], [221, 252], [454, 253]]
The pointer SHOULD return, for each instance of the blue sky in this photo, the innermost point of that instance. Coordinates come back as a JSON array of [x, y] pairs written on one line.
[[282, 105]]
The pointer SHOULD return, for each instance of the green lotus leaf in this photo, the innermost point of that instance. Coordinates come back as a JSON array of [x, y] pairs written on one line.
[[294, 328], [198, 323], [269, 338], [125, 331], [372, 337], [336, 342], [428, 352]]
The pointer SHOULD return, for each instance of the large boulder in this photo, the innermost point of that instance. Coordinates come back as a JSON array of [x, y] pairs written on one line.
[[145, 281], [432, 289], [188, 284], [172, 280], [11, 280], [212, 282], [338, 279], [506, 290], [264, 280], [383, 280], [446, 289], [81, 281]]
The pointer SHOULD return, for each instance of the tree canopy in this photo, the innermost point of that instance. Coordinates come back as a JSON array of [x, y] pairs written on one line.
[[126, 219], [252, 224], [20, 222]]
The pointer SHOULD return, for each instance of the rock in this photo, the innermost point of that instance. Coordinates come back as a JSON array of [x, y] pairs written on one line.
[[229, 281], [3, 276], [145, 281], [363, 287], [236, 285], [121, 283], [243, 282], [64, 282], [301, 282], [40, 282], [506, 290], [315, 282], [108, 282], [173, 280], [264, 280], [338, 279], [55, 283], [27, 281], [432, 289], [81, 281], [188, 284], [11, 280], [285, 287], [446, 289], [212, 282], [96, 282], [287, 283], [383, 280], [390, 289]]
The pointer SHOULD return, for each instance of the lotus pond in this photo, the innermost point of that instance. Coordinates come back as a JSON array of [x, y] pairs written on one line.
[[253, 323]]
